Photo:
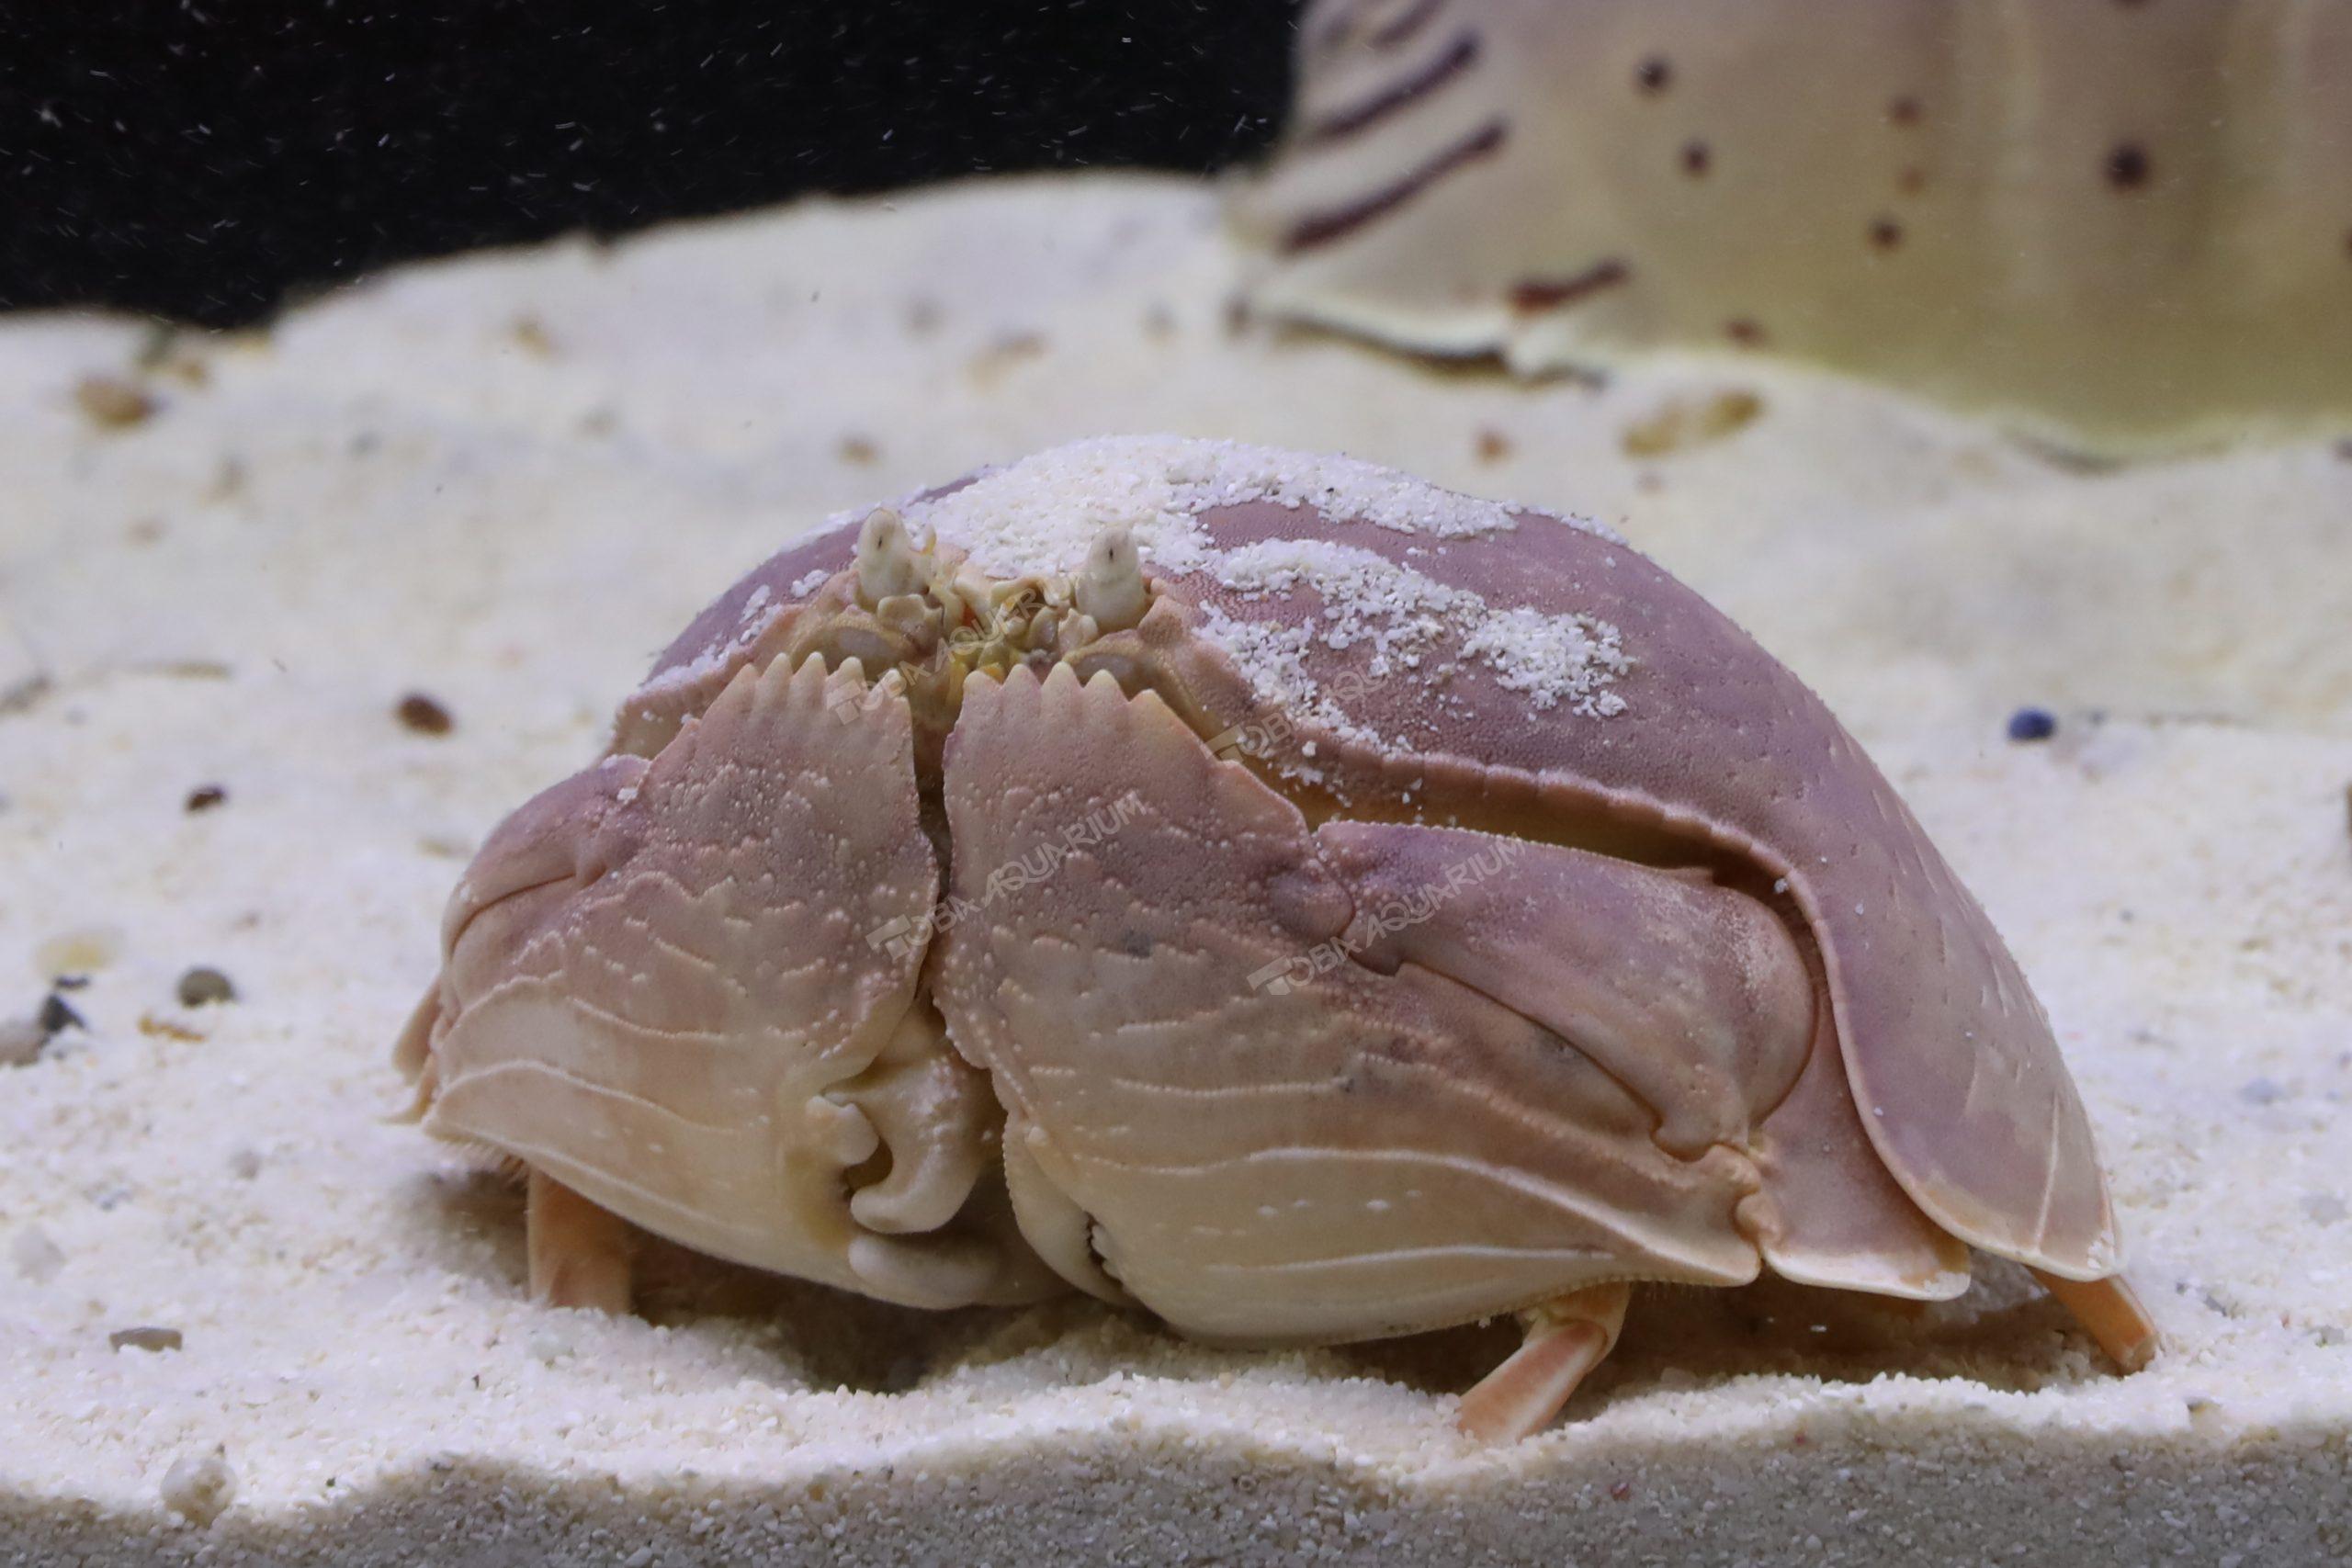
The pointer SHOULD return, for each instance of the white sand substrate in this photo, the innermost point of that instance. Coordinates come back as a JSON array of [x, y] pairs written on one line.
[[504, 481]]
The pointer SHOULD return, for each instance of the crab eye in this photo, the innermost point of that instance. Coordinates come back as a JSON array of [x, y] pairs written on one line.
[[1112, 589], [889, 563]]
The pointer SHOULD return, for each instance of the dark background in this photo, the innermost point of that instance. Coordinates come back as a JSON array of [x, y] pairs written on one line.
[[204, 159]]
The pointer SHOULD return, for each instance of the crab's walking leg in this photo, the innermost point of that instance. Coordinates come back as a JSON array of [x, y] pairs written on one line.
[[1566, 1339], [579, 1253], [2111, 1314]]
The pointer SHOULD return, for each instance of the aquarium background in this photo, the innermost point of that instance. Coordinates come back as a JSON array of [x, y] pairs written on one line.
[[525, 331], [206, 161]]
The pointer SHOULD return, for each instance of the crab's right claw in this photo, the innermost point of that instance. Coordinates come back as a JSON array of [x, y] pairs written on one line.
[[553, 838], [686, 991], [412, 1056]]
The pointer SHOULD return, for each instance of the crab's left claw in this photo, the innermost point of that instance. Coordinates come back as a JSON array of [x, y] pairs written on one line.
[[1286, 1085]]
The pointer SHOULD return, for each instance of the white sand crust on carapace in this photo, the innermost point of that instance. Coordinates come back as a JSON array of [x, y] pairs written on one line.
[[1040, 514], [503, 482]]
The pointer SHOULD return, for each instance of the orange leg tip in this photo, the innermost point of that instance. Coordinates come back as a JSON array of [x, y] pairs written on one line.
[[1566, 1339], [2111, 1314], [1520, 1396], [579, 1253]]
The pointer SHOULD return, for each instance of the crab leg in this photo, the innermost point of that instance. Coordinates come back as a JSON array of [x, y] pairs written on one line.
[[2109, 1312], [1566, 1337], [579, 1252]]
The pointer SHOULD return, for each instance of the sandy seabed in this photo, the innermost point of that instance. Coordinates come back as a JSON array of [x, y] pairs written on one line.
[[503, 482]]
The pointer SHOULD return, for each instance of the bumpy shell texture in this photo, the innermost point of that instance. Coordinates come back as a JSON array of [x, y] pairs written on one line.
[[1412, 908], [2122, 227]]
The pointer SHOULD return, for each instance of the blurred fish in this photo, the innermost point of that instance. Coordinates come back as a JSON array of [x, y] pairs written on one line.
[[2122, 226]]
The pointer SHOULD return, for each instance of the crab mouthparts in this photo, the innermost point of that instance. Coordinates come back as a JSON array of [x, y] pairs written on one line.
[[918, 619]]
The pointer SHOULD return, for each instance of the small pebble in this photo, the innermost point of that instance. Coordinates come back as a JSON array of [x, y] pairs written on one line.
[[1004, 351], [204, 797], [112, 403], [201, 987], [145, 1337], [36, 1259], [2032, 724], [1685, 422], [21, 1039], [2261, 1091], [423, 715], [246, 1164], [22, 694], [200, 1489], [57, 1015]]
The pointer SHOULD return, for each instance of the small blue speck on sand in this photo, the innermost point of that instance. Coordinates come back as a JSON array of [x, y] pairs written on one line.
[[2031, 724]]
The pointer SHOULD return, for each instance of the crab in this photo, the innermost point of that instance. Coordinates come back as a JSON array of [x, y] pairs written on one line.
[[1265, 891]]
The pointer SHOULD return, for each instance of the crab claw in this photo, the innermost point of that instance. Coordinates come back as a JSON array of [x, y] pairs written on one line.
[[1266, 1147], [655, 968], [1111, 587]]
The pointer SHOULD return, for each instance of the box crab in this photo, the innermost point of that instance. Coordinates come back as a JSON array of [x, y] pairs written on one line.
[[1390, 909]]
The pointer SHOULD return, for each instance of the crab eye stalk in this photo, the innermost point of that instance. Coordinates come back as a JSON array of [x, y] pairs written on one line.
[[1110, 589], [889, 564]]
